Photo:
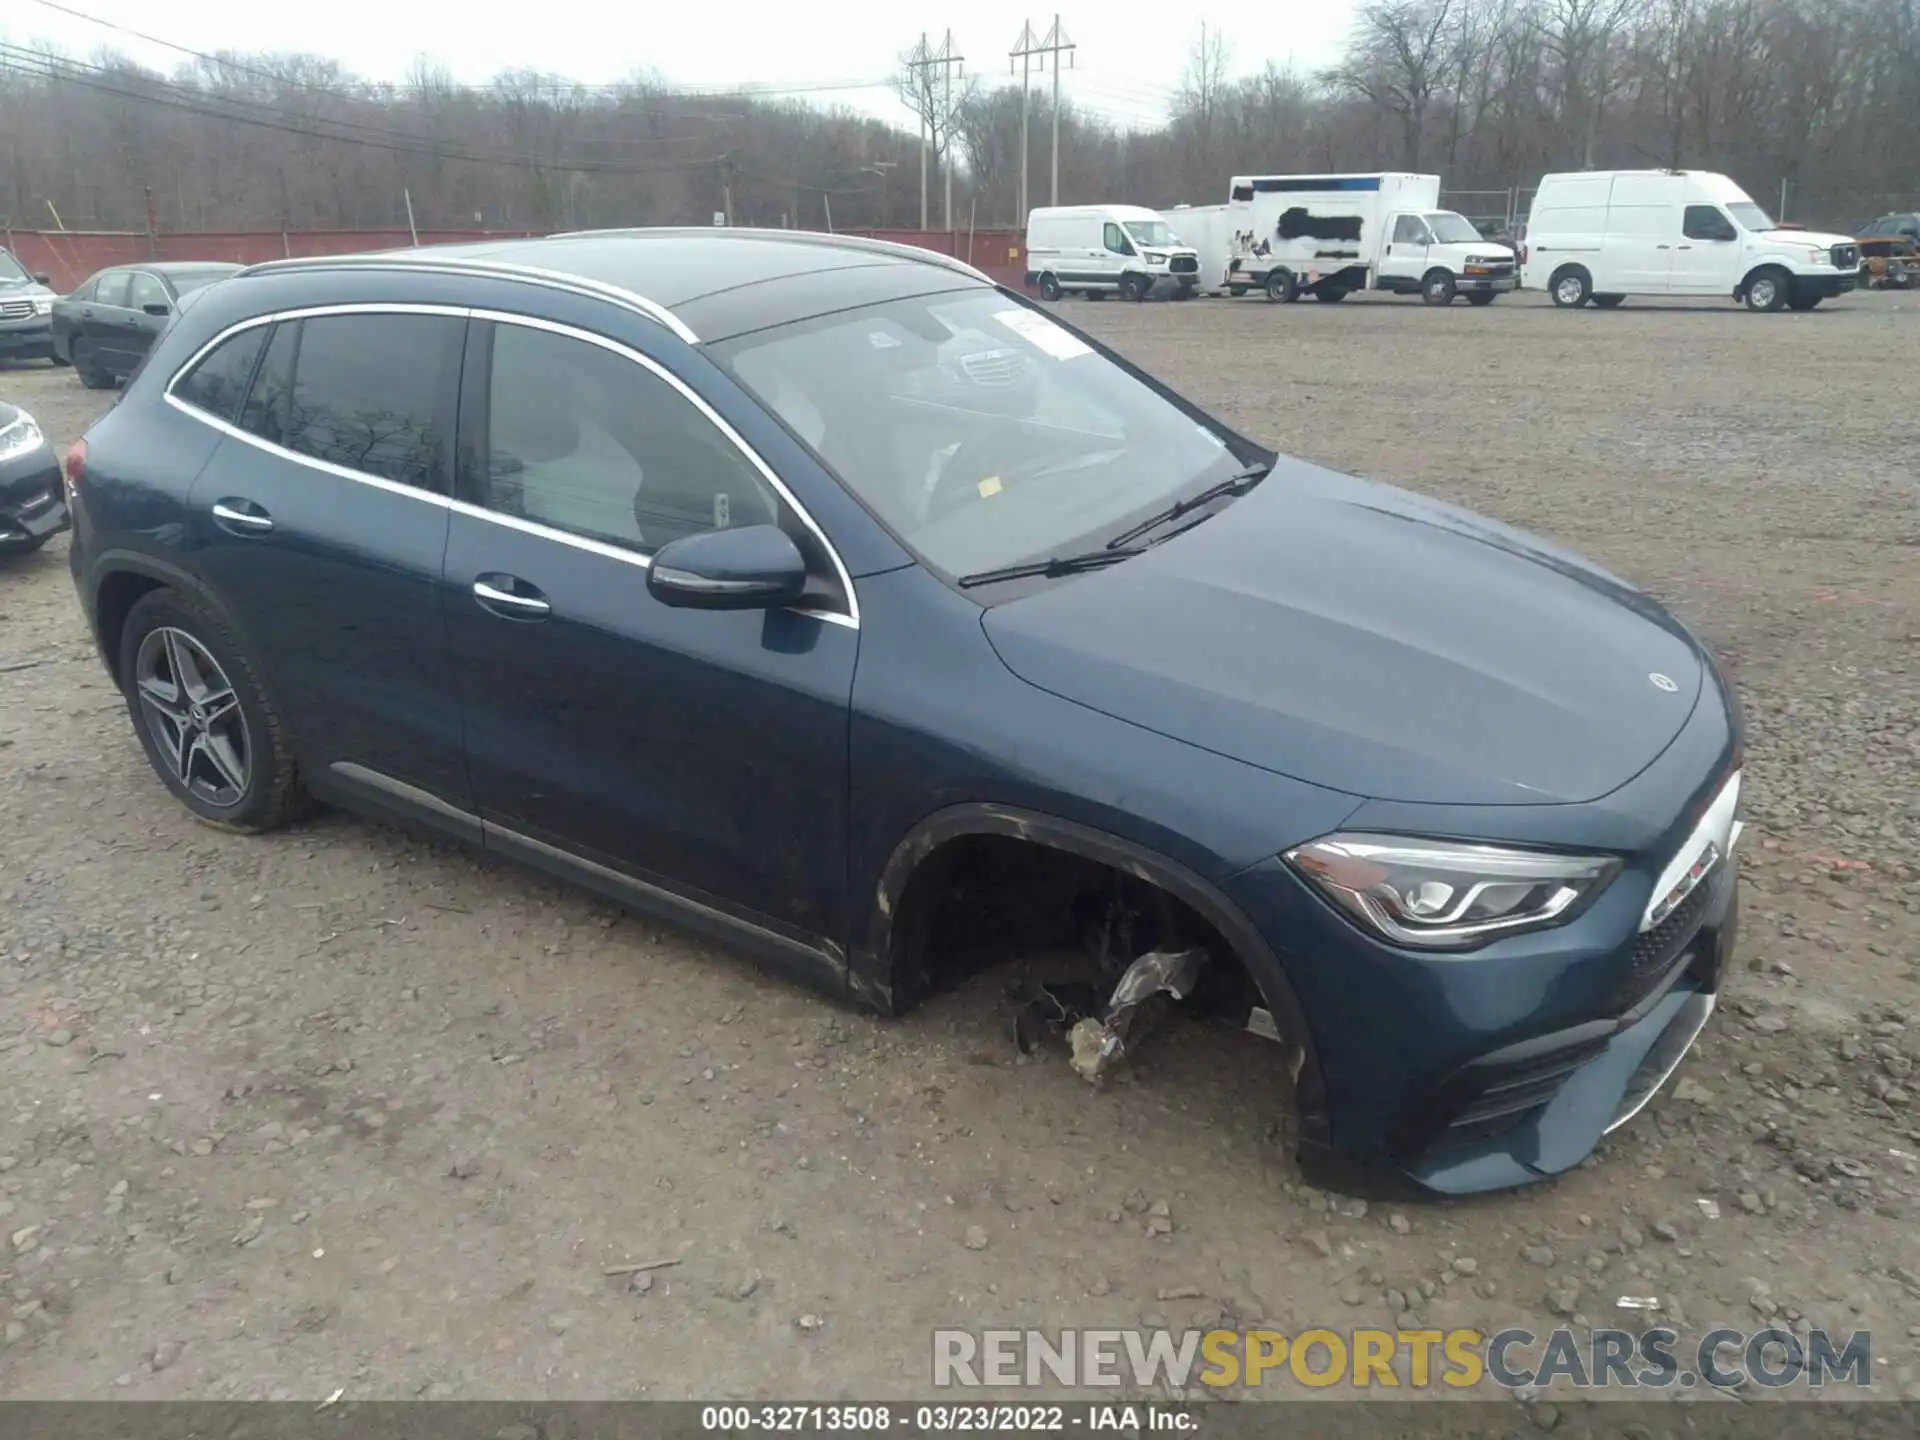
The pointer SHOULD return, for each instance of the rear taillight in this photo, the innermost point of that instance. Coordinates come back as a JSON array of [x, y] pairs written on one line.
[[1523, 253], [75, 469]]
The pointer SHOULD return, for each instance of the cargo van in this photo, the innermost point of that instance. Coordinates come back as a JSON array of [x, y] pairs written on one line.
[[1100, 250], [1329, 235], [1598, 236]]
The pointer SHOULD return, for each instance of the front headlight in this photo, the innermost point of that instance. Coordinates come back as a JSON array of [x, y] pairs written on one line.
[[19, 437], [1153, 257], [1443, 895], [43, 304]]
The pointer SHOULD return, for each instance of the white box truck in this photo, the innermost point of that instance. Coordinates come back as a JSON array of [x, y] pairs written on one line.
[[1601, 235], [1329, 235], [1101, 250]]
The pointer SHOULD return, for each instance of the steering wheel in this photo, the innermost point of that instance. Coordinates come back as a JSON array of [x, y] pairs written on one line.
[[989, 455]]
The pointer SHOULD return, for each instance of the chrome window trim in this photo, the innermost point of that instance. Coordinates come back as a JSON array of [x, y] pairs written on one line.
[[492, 269], [849, 620]]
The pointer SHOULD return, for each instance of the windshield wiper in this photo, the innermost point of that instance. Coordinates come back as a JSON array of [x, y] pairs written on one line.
[[1233, 485], [1054, 567]]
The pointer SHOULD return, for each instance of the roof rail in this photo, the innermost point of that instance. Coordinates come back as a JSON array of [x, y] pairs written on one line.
[[824, 239], [425, 260]]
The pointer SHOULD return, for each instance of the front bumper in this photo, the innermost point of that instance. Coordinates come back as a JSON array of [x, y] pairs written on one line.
[[32, 340], [1487, 284], [32, 501], [1827, 286]]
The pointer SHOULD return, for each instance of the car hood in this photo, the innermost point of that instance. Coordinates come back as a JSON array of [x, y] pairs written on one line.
[[1807, 237], [1363, 638], [24, 290]]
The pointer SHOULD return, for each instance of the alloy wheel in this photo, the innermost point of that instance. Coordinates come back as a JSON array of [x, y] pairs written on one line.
[[194, 717], [1567, 292]]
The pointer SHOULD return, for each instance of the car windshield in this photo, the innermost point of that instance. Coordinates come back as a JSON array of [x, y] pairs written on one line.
[[983, 433], [10, 268], [1152, 232], [196, 279], [1451, 229], [1749, 216]]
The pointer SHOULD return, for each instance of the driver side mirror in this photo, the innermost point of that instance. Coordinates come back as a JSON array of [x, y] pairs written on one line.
[[40, 278], [754, 567]]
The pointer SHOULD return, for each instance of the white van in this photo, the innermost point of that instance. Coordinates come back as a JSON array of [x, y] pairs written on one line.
[[1096, 250], [1602, 235], [1329, 235]]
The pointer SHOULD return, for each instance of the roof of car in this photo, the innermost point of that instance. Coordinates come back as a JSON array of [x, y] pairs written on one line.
[[680, 273]]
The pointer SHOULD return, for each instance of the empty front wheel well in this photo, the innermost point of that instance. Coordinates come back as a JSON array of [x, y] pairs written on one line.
[[979, 884]]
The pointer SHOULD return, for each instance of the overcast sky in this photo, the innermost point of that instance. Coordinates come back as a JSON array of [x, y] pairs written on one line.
[[1127, 65]]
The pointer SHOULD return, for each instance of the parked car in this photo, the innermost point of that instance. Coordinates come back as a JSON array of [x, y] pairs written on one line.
[[1907, 225], [32, 500], [25, 304], [1598, 236], [107, 324], [791, 607], [1100, 250]]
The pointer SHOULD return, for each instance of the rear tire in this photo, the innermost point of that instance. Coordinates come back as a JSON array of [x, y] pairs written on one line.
[[1236, 291], [1330, 297], [1094, 294], [1437, 288], [1804, 302], [1571, 287], [248, 742], [1050, 288], [1482, 297], [1608, 302], [1281, 287], [1769, 290]]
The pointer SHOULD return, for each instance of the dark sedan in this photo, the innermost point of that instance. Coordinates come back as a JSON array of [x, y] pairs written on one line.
[[105, 327], [33, 505], [821, 594]]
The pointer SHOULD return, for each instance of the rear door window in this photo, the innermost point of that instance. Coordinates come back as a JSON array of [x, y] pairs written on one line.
[[374, 393]]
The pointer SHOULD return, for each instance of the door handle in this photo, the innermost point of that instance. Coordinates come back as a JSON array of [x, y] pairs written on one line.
[[241, 517], [521, 603], [1683, 247], [1667, 247]]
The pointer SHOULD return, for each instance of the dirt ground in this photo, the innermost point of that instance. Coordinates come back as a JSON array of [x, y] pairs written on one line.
[[342, 1110]]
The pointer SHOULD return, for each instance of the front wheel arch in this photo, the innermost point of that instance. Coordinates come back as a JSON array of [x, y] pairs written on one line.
[[878, 977]]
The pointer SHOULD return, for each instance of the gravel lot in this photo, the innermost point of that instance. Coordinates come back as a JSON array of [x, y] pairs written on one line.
[[341, 1110]]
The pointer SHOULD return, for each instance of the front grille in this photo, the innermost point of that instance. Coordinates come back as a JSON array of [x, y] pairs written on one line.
[[1183, 265], [16, 309], [1846, 257]]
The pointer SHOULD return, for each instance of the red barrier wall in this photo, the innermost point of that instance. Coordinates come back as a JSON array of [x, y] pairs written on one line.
[[68, 257]]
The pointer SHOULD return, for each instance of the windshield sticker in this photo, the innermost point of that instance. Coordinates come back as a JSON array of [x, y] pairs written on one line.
[[1043, 334], [989, 486]]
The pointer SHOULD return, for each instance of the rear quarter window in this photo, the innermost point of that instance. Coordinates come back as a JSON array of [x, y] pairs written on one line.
[[218, 383]]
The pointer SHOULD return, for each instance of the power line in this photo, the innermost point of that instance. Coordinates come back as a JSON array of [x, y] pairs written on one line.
[[41, 67]]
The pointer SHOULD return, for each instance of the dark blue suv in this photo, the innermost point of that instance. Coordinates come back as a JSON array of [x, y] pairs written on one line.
[[822, 594]]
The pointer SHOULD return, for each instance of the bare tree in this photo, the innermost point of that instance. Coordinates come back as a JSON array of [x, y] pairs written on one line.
[[1398, 57]]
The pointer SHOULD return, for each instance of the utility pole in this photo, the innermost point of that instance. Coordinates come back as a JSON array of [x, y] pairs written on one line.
[[940, 123], [1054, 45]]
